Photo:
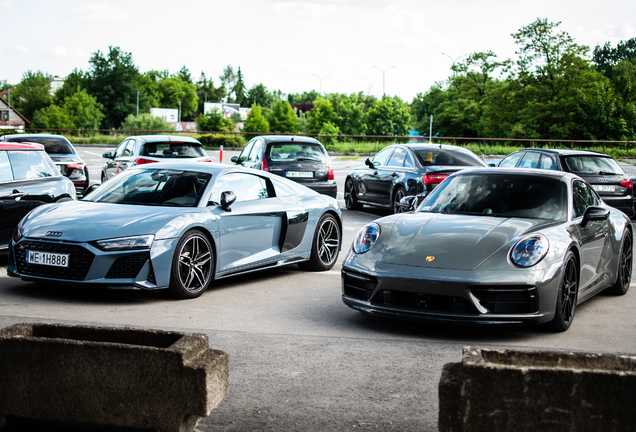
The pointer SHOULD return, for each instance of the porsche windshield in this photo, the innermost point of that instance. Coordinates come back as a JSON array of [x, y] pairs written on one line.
[[518, 196], [156, 187]]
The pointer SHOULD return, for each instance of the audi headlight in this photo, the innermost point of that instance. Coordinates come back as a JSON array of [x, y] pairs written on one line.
[[529, 250], [18, 233], [126, 243], [366, 238]]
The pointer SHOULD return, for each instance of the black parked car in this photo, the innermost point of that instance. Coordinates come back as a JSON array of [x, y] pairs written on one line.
[[143, 149], [297, 158], [28, 178], [404, 169], [599, 169], [63, 154]]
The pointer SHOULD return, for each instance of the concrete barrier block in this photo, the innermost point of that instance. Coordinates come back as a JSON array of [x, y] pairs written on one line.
[[514, 390], [113, 376]]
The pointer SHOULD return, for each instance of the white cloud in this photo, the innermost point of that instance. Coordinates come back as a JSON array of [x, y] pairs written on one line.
[[97, 12], [6, 5], [16, 49], [66, 52]]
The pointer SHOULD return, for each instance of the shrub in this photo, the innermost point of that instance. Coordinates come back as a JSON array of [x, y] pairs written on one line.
[[216, 140]]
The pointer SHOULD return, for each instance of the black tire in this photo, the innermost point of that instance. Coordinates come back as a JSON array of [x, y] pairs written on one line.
[[192, 266], [399, 193], [326, 245], [624, 271], [567, 295], [351, 201]]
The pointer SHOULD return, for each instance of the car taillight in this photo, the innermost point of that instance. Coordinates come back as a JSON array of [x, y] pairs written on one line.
[[627, 183], [141, 161], [330, 175], [264, 166], [205, 160], [433, 178], [76, 166]]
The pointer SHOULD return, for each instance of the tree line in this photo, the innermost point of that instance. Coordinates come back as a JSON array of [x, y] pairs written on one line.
[[554, 89]]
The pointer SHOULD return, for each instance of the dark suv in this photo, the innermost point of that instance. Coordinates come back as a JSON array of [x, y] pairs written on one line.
[[297, 158], [599, 169], [63, 154], [28, 178]]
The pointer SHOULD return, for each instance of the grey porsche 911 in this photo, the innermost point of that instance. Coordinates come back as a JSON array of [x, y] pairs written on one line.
[[492, 246]]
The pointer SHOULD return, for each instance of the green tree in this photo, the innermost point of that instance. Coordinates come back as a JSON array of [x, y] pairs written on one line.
[[145, 122], [240, 95], [228, 79], [259, 95], [255, 121], [206, 92], [606, 58], [389, 116], [51, 118], [214, 121], [282, 118], [173, 90], [73, 83], [305, 97], [113, 80], [322, 113], [32, 93], [329, 128], [351, 116], [185, 75], [83, 110]]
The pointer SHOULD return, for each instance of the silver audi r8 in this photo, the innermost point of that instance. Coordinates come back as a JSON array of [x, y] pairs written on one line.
[[178, 226], [492, 246]]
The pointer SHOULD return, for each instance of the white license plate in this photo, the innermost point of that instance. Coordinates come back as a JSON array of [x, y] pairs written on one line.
[[47, 258], [604, 188], [300, 174]]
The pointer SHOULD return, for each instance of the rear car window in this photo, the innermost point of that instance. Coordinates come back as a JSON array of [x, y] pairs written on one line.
[[593, 165], [447, 157], [173, 149], [31, 164], [291, 152], [51, 145]]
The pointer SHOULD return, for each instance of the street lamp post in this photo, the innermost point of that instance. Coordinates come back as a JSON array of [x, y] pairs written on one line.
[[320, 79], [137, 102], [383, 72], [454, 60]]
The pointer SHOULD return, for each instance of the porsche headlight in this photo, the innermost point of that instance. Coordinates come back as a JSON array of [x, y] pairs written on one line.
[[126, 243], [529, 250], [366, 238]]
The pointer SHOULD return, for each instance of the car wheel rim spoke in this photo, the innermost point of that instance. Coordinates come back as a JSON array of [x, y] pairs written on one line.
[[328, 242], [194, 264], [568, 297], [625, 264]]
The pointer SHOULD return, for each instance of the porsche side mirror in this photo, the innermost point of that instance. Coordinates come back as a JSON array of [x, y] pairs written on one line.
[[594, 213], [107, 155], [227, 198], [406, 203], [369, 163]]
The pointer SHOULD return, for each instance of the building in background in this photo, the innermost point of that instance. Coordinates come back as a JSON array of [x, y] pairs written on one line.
[[171, 115], [10, 118], [56, 84]]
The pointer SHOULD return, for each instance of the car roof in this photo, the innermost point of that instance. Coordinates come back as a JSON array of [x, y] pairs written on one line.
[[567, 152], [21, 146], [290, 138], [516, 171], [431, 146], [165, 138]]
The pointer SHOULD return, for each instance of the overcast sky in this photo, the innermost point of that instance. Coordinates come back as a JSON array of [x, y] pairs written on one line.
[[291, 44]]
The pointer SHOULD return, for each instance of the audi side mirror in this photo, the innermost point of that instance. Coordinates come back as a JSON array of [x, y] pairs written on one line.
[[227, 198]]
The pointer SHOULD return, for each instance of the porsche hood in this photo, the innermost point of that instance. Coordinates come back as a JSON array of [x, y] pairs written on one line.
[[457, 242]]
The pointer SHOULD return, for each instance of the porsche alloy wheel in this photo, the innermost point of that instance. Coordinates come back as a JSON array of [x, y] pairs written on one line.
[[326, 245], [192, 265], [567, 295], [624, 276]]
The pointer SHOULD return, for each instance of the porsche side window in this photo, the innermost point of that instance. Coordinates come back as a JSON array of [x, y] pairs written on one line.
[[246, 187], [381, 158], [510, 161], [583, 198]]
